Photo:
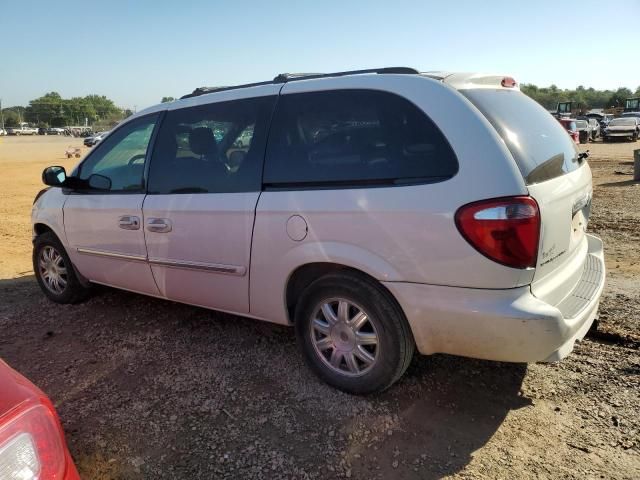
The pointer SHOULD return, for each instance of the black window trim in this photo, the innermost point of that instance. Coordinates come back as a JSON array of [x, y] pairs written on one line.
[[354, 184], [160, 114]]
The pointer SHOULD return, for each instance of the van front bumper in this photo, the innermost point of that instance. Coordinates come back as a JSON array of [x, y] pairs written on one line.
[[510, 325]]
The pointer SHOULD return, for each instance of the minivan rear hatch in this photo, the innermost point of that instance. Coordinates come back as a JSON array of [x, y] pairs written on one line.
[[557, 177]]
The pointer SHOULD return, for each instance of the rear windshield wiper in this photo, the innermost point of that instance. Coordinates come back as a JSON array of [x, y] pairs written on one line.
[[583, 156]]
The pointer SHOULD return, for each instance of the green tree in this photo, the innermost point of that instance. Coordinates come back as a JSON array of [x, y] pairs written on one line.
[[11, 118], [44, 108], [619, 96], [167, 99]]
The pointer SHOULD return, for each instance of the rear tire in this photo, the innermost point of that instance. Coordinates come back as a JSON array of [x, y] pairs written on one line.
[[353, 334], [55, 272]]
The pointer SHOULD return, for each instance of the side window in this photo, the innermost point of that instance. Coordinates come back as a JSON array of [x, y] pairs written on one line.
[[354, 137], [121, 155], [212, 148]]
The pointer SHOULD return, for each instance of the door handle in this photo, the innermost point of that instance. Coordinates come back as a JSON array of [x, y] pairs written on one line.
[[159, 225], [129, 222]]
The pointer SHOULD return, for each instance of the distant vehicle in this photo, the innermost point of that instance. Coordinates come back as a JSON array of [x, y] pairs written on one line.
[[604, 121], [584, 130], [622, 127], [23, 129], [563, 109], [32, 444], [595, 128], [632, 104], [94, 139], [569, 125], [42, 131], [2, 132], [55, 131], [630, 114]]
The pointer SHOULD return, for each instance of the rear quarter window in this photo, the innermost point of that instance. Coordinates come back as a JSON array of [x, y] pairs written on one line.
[[350, 138], [539, 144]]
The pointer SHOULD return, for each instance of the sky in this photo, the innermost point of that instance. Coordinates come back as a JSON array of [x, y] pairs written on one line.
[[136, 52]]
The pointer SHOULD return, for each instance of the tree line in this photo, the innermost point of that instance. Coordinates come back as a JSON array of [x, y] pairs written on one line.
[[582, 98], [51, 110]]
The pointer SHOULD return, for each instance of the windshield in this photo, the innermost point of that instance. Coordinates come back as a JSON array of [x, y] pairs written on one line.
[[581, 123], [616, 122], [540, 146]]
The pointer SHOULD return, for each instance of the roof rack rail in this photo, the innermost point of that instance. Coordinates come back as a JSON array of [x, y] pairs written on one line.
[[290, 77], [204, 90]]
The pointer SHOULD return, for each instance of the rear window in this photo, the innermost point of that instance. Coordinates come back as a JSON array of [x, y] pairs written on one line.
[[581, 124], [350, 138], [540, 146]]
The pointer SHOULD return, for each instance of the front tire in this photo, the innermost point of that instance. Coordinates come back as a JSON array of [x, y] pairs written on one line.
[[353, 334], [54, 272]]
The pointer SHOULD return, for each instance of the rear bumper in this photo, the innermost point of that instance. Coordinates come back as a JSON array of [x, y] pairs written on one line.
[[505, 325]]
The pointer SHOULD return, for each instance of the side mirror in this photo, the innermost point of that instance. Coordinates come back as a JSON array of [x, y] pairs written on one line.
[[99, 182], [54, 176]]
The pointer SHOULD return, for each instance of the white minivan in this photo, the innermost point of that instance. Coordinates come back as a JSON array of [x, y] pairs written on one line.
[[377, 211]]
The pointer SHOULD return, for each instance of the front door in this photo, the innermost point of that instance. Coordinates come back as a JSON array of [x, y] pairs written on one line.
[[204, 184], [104, 224]]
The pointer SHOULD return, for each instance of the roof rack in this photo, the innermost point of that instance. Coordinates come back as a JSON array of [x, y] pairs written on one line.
[[290, 77]]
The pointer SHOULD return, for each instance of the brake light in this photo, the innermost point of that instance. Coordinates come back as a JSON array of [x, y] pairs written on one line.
[[31, 445], [508, 82], [506, 230]]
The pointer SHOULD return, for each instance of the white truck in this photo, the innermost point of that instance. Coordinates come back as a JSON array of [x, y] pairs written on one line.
[[23, 129]]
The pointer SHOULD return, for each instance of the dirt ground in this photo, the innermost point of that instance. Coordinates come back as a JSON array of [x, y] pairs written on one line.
[[153, 389]]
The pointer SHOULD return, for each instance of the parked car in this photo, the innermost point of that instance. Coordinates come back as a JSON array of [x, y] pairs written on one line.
[[593, 126], [584, 130], [570, 126], [42, 131], [55, 131], [622, 127], [2, 132], [604, 121], [94, 139], [365, 221], [32, 444]]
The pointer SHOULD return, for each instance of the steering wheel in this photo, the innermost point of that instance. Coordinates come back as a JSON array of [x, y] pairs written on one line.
[[137, 157]]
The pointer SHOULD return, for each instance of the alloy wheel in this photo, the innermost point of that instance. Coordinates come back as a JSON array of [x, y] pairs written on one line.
[[53, 270], [344, 337]]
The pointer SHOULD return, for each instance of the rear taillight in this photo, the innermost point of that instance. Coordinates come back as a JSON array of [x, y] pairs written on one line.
[[31, 445], [506, 230]]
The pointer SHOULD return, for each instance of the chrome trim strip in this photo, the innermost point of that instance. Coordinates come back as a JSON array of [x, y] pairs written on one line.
[[105, 253], [209, 267]]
